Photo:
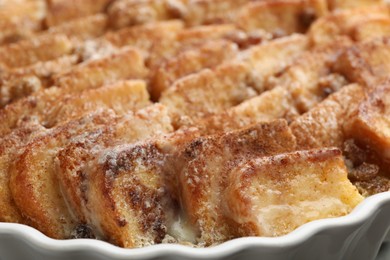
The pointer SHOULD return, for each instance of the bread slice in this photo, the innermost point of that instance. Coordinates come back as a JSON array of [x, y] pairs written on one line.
[[20, 19], [205, 164], [125, 198], [305, 83], [270, 105], [44, 106], [10, 146], [366, 63], [126, 13], [209, 91], [23, 81], [326, 29], [83, 28], [272, 196], [60, 11], [205, 32], [127, 63], [264, 59], [213, 91], [371, 29], [206, 55], [310, 79], [128, 192], [212, 12], [144, 36], [33, 180], [280, 17], [130, 128], [121, 97], [325, 125], [41, 48], [371, 125], [348, 4]]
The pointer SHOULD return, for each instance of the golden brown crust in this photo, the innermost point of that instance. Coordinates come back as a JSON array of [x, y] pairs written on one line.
[[10, 146], [365, 63], [27, 52], [23, 81], [60, 11], [212, 12], [208, 91], [33, 180], [272, 196], [326, 124], [125, 13], [127, 63], [83, 28], [126, 196], [371, 125], [281, 17], [205, 165], [20, 19], [207, 55], [121, 97], [348, 4], [328, 28], [131, 128]]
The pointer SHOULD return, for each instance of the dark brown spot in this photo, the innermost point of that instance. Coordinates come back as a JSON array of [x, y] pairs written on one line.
[[82, 231]]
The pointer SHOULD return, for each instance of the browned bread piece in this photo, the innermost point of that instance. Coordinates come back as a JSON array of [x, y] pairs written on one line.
[[280, 17], [366, 63], [191, 96], [20, 19], [33, 180], [205, 32], [272, 196], [371, 29], [264, 59], [325, 125], [23, 81], [206, 55], [229, 31], [60, 11], [144, 36], [212, 11], [10, 146], [127, 63], [149, 122], [270, 105], [127, 201], [204, 167], [347, 4], [209, 91], [305, 83], [192, 37], [125, 13], [310, 79], [82, 28], [40, 48], [121, 97], [371, 126], [327, 28]]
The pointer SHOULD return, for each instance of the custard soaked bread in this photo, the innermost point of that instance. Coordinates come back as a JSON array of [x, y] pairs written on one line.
[[190, 121]]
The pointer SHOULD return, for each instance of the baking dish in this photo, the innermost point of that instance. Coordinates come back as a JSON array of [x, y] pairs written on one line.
[[357, 236]]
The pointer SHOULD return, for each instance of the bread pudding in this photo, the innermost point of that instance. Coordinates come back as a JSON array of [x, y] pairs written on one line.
[[190, 121]]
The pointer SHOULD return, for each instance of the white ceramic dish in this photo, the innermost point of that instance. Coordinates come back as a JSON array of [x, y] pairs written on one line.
[[357, 236]]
